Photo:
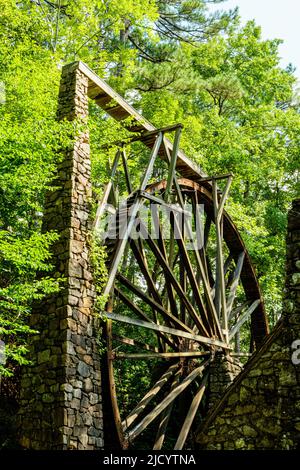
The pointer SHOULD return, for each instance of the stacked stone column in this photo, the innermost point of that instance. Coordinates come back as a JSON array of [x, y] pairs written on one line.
[[61, 391]]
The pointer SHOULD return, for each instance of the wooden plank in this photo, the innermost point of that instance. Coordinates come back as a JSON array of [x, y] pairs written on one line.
[[172, 165], [165, 417], [149, 169], [192, 278], [131, 435], [160, 201], [190, 416], [145, 271], [235, 281], [220, 295], [159, 355], [165, 329], [224, 197], [126, 171], [169, 273], [131, 219], [243, 318], [133, 415], [140, 123]]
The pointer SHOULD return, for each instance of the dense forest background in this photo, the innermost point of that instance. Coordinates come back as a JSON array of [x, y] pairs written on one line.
[[175, 62]]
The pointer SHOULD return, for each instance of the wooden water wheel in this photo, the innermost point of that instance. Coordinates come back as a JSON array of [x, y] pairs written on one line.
[[181, 289]]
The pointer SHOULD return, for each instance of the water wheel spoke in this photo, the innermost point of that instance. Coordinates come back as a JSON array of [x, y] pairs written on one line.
[[159, 235], [141, 314], [131, 435], [133, 415], [146, 273], [190, 273], [153, 304], [243, 319], [190, 416], [165, 418], [165, 329], [235, 282], [171, 278]]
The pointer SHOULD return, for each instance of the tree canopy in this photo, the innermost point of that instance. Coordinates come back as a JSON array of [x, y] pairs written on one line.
[[175, 62]]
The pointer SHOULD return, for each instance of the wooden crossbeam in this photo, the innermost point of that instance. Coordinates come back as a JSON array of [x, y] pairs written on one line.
[[141, 314], [165, 417], [167, 355], [166, 329]]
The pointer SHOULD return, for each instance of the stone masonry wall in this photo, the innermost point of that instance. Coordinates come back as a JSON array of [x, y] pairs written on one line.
[[261, 409], [61, 391], [223, 371]]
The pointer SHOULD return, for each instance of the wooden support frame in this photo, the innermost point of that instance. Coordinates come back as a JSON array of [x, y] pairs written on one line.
[[196, 273]]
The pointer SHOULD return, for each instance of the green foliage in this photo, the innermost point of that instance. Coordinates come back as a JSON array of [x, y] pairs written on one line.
[[174, 62]]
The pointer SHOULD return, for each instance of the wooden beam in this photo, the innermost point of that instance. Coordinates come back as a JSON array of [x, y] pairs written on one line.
[[126, 171], [131, 435], [165, 329], [169, 273], [152, 303], [235, 282], [243, 318], [190, 416], [165, 417], [160, 355], [161, 202], [172, 165], [133, 415], [141, 314], [220, 295]]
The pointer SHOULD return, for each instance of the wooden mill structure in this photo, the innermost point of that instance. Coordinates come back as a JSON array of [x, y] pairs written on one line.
[[181, 292], [189, 288]]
